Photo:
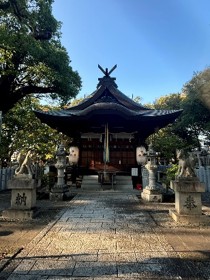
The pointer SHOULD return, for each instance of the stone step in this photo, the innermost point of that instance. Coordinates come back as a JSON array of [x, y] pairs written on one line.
[[123, 183], [122, 177], [90, 177], [91, 186], [90, 181]]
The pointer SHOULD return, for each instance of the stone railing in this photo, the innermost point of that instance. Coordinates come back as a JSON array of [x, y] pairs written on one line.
[[203, 173], [5, 175]]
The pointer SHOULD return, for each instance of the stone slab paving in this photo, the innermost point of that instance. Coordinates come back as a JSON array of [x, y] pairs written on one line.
[[113, 236]]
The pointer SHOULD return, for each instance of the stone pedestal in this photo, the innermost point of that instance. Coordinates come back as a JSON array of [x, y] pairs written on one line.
[[59, 192], [152, 195], [23, 198], [188, 206]]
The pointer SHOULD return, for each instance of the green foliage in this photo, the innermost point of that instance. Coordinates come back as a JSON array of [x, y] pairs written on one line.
[[196, 116], [76, 101], [172, 101], [137, 99], [171, 173], [194, 121], [48, 181], [32, 59], [203, 80], [22, 131], [165, 142]]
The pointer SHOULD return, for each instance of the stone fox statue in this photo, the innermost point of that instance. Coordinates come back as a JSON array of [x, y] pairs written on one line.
[[25, 164], [186, 164]]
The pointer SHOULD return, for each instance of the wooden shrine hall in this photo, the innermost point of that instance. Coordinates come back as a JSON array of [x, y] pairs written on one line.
[[108, 126]]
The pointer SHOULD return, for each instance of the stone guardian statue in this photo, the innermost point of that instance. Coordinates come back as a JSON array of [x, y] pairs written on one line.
[[186, 164]]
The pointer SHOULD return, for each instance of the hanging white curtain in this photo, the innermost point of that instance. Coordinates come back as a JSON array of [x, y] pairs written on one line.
[[106, 145]]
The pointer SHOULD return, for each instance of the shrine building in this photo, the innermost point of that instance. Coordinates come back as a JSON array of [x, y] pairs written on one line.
[[108, 127]]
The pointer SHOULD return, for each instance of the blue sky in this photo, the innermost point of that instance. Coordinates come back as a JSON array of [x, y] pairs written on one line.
[[156, 44]]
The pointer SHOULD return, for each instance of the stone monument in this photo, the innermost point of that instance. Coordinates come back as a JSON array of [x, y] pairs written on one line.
[[152, 192], [188, 189], [60, 189]]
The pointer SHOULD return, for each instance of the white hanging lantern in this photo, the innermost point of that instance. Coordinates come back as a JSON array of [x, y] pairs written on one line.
[[141, 155], [73, 155]]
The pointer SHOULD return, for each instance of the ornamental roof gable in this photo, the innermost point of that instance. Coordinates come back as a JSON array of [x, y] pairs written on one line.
[[107, 92]]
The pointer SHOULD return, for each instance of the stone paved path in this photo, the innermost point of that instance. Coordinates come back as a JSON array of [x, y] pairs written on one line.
[[112, 236]]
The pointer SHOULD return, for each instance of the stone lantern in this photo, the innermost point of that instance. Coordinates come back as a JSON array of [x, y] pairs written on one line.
[[151, 192], [60, 189]]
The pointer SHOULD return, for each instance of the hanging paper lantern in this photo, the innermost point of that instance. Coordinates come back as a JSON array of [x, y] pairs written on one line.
[[73, 155], [141, 155]]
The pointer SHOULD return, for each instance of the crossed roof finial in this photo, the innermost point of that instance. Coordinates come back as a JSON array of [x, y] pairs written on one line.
[[106, 71]]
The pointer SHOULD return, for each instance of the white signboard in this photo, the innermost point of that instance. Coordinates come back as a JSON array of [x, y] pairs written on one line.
[[134, 171]]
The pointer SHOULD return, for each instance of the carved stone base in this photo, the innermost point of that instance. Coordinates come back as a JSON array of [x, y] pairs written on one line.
[[59, 193], [23, 198], [188, 205], [58, 196], [15, 214], [23, 193], [152, 195], [188, 196], [189, 219]]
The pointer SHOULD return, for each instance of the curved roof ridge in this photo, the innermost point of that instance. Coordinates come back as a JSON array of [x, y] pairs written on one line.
[[121, 98], [107, 107], [125, 100], [88, 101]]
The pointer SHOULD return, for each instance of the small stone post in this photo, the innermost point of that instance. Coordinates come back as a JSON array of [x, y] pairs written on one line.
[[60, 189], [151, 192]]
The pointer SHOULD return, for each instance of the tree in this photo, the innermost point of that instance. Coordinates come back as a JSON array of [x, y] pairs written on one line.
[[196, 116], [167, 140], [23, 131], [201, 83], [169, 102], [32, 59], [137, 99], [194, 122]]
